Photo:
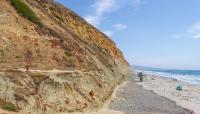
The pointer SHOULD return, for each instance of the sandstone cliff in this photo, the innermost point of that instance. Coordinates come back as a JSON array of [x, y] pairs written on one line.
[[52, 60]]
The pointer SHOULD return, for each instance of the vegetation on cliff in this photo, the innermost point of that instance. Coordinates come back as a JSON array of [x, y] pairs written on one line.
[[9, 107], [24, 9]]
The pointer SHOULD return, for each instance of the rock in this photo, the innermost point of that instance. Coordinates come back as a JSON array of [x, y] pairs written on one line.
[[91, 93]]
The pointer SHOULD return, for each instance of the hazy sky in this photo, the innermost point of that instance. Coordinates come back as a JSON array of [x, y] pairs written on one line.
[[157, 33]]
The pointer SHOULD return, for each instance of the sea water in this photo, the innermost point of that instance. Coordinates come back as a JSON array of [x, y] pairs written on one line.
[[188, 76]]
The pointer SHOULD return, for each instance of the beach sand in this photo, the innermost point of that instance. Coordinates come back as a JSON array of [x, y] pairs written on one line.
[[133, 99], [188, 98]]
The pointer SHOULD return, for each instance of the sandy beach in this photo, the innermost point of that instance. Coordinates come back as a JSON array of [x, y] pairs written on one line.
[[133, 99], [188, 98]]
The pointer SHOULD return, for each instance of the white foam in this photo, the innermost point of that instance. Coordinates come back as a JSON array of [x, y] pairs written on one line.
[[195, 80]]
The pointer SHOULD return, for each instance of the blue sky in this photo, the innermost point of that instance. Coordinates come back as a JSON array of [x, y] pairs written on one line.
[[156, 33]]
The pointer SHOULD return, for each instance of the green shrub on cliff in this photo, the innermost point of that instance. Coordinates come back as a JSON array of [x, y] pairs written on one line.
[[9, 107], [23, 9]]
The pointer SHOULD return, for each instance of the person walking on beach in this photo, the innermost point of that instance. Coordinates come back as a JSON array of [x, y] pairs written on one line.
[[140, 75]]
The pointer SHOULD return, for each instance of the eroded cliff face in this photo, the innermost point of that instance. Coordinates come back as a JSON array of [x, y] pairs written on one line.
[[61, 65]]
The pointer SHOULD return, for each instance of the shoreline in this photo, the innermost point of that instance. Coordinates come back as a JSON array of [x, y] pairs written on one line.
[[188, 98], [168, 78]]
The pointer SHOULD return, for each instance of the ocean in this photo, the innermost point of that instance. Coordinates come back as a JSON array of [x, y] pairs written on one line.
[[188, 76]]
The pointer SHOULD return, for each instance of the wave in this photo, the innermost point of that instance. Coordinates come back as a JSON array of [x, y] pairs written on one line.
[[188, 78]]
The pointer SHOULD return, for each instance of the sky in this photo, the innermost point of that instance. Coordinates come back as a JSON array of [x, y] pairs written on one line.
[[154, 33]]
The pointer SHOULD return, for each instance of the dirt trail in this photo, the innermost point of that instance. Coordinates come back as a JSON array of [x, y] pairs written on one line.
[[48, 71]]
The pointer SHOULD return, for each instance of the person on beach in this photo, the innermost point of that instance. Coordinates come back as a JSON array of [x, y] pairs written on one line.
[[140, 75]]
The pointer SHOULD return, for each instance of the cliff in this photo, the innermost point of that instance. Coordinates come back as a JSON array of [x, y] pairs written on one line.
[[52, 60]]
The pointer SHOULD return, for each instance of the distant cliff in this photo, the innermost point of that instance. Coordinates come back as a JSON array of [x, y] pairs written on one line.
[[52, 60]]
